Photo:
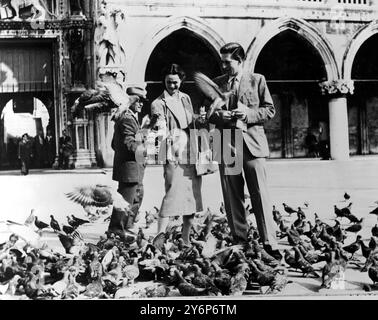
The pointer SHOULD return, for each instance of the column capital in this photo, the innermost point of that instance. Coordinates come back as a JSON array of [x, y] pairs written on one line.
[[338, 87]]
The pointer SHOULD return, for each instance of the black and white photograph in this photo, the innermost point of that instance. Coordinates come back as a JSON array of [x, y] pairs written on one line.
[[188, 150]]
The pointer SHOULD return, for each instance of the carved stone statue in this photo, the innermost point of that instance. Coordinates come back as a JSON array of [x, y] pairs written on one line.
[[77, 7], [110, 42], [39, 7], [77, 55]]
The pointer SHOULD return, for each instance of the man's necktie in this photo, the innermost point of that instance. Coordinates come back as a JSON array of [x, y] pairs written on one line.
[[234, 96]]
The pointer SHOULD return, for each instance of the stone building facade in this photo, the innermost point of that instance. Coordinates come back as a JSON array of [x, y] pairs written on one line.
[[46, 62], [320, 59]]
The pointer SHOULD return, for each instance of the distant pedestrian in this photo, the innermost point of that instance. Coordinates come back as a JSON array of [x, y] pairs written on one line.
[[39, 150], [49, 149], [65, 150], [25, 153], [324, 149], [311, 143]]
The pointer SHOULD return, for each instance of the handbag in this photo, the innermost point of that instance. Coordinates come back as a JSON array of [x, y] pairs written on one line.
[[205, 164]]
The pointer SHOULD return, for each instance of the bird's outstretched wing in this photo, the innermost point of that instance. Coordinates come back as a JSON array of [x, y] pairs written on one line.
[[120, 99], [92, 99], [23, 231], [105, 98], [159, 240], [211, 91], [207, 86], [82, 195], [98, 196]]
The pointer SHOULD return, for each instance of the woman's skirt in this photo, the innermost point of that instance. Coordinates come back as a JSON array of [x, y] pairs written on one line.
[[182, 191]]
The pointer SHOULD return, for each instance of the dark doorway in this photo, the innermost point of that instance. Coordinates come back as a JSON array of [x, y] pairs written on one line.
[[26, 97], [192, 53], [293, 68], [363, 105]]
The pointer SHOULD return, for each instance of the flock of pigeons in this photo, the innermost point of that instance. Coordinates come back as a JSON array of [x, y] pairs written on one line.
[[211, 266], [320, 242]]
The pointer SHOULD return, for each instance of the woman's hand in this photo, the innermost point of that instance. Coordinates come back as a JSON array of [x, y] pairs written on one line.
[[239, 114]]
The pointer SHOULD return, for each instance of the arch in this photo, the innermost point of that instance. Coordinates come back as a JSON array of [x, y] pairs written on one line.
[[174, 23], [354, 45], [303, 28]]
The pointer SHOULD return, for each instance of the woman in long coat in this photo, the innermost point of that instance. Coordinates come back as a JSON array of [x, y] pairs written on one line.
[[182, 185]]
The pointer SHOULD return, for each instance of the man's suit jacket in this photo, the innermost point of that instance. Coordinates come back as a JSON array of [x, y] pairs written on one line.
[[254, 98], [124, 144]]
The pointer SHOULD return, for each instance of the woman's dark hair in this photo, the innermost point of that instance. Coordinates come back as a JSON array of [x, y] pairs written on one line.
[[173, 69], [235, 49]]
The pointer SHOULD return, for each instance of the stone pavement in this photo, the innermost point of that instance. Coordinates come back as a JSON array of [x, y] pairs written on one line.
[[320, 183]]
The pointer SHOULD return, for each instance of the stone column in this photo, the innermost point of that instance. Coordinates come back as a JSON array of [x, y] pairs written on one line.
[[337, 91], [91, 140], [338, 128], [105, 128]]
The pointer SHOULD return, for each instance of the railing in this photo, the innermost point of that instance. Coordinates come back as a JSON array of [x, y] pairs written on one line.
[[26, 86], [249, 3]]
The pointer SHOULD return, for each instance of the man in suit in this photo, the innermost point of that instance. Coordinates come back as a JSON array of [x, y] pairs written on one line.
[[126, 169], [246, 110]]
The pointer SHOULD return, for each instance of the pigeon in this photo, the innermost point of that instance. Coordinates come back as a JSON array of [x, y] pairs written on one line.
[[30, 219], [277, 217], [355, 227], [40, 224], [373, 270], [71, 243], [311, 256], [332, 270], [336, 231], [151, 216], [54, 224], [353, 247], [187, 289], [366, 250], [78, 221], [288, 209], [72, 222], [159, 241], [100, 196], [68, 229], [317, 243], [346, 210], [263, 278], [339, 213], [109, 97], [303, 264], [300, 213], [352, 218], [97, 196], [346, 196], [22, 231], [203, 281], [211, 91]]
